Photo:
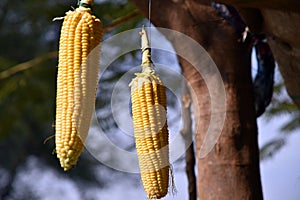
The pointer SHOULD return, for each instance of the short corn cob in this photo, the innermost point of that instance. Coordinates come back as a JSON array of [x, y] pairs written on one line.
[[77, 79], [150, 126]]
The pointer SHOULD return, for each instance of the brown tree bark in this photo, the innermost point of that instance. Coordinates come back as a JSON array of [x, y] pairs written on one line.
[[287, 5], [231, 169]]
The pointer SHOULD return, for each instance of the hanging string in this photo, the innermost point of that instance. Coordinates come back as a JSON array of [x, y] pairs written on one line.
[[149, 17]]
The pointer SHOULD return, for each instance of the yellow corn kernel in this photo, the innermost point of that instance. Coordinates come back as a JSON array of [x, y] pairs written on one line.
[[77, 77], [150, 126]]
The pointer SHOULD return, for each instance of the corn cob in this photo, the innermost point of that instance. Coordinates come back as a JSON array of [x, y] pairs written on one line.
[[148, 96], [78, 65]]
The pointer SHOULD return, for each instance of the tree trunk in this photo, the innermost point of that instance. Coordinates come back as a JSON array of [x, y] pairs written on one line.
[[231, 169]]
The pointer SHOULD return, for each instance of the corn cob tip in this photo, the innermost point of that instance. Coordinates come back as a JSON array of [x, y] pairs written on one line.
[[147, 63], [86, 3], [146, 49], [145, 40]]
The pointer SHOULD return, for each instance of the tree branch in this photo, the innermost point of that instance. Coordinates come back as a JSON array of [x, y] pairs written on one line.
[[26, 65], [186, 133]]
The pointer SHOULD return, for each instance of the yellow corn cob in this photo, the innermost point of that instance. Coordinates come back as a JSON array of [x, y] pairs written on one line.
[[78, 65], [150, 126]]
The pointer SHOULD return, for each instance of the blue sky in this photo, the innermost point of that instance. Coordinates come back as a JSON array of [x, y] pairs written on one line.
[[281, 173]]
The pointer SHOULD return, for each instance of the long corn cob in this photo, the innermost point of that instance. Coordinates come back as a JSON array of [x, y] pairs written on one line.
[[148, 96], [78, 65]]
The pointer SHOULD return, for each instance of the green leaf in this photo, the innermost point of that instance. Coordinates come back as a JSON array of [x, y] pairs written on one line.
[[270, 148]]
